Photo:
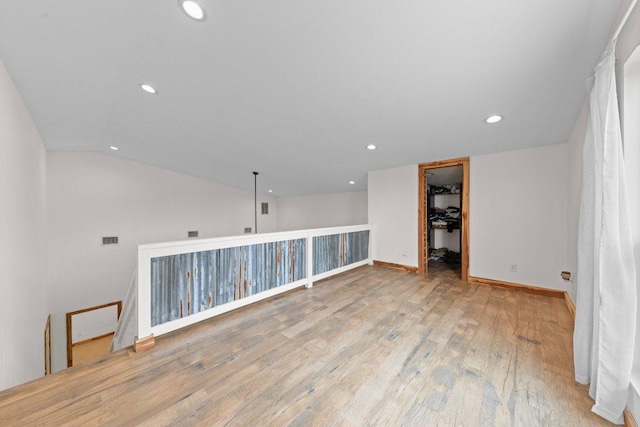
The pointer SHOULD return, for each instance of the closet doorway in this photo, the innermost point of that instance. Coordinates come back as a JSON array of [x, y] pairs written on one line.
[[443, 216]]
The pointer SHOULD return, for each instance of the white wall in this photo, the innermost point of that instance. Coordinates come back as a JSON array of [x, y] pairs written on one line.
[[22, 240], [93, 195], [393, 214], [94, 323], [518, 215], [322, 210]]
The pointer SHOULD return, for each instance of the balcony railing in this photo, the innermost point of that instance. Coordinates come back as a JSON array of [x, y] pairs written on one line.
[[181, 283]]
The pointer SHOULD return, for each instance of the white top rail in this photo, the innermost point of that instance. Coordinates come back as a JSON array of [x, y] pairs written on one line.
[[198, 245]]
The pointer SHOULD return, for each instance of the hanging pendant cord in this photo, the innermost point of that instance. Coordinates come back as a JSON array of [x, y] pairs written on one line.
[[255, 199]]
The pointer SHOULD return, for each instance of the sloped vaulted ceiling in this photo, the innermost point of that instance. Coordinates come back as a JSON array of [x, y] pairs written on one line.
[[297, 89]]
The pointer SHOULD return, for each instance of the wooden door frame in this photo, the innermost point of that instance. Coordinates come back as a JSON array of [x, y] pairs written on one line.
[[422, 212], [70, 315], [47, 346]]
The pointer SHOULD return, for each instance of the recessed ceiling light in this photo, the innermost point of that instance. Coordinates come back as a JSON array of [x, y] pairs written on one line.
[[148, 88], [193, 9], [371, 147], [114, 148], [352, 182], [270, 191], [493, 119]]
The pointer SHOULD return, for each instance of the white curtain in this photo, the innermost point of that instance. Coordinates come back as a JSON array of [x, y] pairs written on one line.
[[606, 295]]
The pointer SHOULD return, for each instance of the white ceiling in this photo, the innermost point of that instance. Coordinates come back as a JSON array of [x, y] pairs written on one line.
[[297, 89]]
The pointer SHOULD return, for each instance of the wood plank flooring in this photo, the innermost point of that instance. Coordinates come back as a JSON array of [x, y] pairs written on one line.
[[91, 349], [373, 346]]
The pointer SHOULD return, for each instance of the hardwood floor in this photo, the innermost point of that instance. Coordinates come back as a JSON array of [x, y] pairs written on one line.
[[373, 346], [91, 349]]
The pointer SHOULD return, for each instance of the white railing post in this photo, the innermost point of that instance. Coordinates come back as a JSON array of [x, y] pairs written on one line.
[[370, 249], [309, 261], [144, 295]]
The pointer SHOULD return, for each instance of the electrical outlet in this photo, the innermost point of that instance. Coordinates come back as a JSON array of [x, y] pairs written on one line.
[[514, 268]]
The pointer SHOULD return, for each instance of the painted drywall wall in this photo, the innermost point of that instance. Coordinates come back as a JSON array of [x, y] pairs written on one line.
[[322, 210], [393, 214], [518, 216], [93, 195], [22, 243], [94, 323]]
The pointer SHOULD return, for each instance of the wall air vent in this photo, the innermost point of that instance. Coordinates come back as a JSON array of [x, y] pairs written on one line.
[[247, 230], [110, 240], [265, 208], [192, 234]]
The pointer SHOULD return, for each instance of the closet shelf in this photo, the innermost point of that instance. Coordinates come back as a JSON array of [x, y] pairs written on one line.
[[443, 227]]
